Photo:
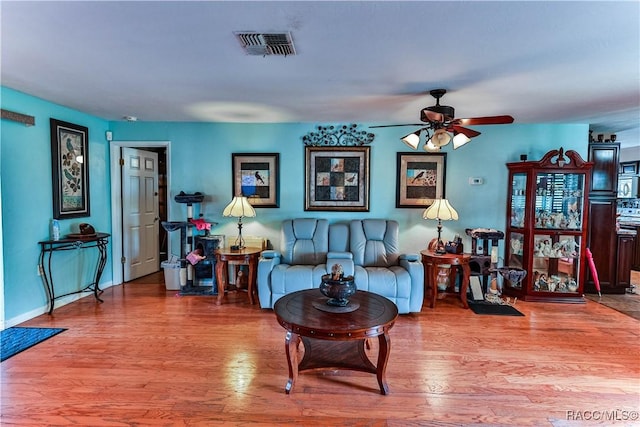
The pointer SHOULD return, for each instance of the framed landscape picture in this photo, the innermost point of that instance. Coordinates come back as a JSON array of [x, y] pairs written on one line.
[[420, 179], [256, 176], [70, 169], [337, 178]]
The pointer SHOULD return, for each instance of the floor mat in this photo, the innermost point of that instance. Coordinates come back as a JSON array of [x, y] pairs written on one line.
[[17, 339], [493, 309]]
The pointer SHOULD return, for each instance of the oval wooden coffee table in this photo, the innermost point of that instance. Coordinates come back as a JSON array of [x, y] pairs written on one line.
[[335, 340]]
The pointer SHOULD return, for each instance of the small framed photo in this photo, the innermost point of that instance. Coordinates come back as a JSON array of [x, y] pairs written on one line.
[[256, 176], [420, 179], [337, 178], [70, 169]]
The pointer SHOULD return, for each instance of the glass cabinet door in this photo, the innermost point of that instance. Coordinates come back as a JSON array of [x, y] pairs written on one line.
[[518, 199], [555, 263], [559, 200]]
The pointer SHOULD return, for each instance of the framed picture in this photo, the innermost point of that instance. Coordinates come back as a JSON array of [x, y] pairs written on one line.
[[70, 169], [257, 176], [420, 179], [337, 178]]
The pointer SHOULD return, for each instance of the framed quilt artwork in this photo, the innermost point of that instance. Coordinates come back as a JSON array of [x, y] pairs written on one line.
[[337, 178], [420, 179], [70, 169], [256, 176]]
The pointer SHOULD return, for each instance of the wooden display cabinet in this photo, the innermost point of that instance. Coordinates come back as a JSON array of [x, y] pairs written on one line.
[[546, 233]]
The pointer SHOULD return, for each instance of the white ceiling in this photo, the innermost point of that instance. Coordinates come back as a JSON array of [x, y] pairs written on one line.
[[363, 61]]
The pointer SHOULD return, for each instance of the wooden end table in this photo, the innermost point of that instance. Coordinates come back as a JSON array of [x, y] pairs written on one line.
[[335, 340], [226, 256], [431, 261]]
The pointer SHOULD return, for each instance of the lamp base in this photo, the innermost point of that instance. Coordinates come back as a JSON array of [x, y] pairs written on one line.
[[440, 246]]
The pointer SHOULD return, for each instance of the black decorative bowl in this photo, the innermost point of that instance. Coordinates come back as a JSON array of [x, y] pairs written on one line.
[[338, 291]]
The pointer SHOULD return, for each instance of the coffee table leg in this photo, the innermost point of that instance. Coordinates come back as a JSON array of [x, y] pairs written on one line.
[[383, 356], [291, 342]]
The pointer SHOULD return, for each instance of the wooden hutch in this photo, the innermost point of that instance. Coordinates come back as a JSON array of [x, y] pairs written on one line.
[[546, 232]]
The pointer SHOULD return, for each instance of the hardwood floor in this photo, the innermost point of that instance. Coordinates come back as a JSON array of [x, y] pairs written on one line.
[[149, 357]]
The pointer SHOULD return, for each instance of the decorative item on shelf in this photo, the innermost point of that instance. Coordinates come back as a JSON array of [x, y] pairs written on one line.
[[454, 246], [55, 229], [239, 207], [86, 232], [441, 210], [337, 287], [442, 279]]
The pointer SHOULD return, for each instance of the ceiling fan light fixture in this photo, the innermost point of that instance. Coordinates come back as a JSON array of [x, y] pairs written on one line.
[[459, 139], [430, 147], [440, 138], [412, 140]]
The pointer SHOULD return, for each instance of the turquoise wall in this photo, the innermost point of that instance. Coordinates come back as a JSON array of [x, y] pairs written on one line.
[[201, 161], [27, 202]]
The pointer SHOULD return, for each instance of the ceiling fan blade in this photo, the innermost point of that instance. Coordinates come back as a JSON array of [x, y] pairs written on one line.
[[490, 120], [469, 133], [391, 126]]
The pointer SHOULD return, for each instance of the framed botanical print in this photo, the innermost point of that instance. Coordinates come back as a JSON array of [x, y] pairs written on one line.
[[337, 178], [70, 169], [256, 176], [420, 179]]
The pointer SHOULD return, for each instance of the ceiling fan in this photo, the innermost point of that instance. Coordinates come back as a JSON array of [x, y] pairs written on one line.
[[441, 123]]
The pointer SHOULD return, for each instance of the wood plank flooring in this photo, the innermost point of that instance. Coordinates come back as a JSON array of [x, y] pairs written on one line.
[[149, 357]]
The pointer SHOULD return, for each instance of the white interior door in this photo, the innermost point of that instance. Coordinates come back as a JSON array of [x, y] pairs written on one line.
[[140, 219]]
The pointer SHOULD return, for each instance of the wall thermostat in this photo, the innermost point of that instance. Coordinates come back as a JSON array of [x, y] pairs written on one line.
[[474, 180]]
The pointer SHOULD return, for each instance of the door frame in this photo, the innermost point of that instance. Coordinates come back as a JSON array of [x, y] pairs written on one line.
[[117, 272]]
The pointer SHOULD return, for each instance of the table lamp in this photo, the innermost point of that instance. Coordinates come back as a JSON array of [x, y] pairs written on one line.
[[239, 207], [441, 210]]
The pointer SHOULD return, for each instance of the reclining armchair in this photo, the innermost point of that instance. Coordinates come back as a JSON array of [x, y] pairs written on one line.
[[307, 246], [381, 269]]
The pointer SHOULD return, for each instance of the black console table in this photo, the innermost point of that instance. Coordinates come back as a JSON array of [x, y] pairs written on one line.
[[99, 240]]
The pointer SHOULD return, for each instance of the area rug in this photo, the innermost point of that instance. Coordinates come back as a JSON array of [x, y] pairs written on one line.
[[17, 339], [493, 309], [628, 304]]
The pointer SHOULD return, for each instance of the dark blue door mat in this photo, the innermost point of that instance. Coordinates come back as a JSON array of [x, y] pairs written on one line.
[[495, 309], [17, 339]]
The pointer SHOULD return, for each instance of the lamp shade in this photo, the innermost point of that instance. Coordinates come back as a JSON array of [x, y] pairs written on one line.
[[440, 138], [239, 207], [412, 140], [441, 209], [430, 147], [459, 139]]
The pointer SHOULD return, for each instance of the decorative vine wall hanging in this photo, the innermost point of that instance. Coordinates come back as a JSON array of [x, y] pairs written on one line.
[[340, 135]]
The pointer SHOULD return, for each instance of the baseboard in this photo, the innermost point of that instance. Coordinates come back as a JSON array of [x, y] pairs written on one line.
[[45, 308]]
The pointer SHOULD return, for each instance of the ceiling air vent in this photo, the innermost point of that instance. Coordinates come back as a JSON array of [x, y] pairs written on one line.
[[263, 44]]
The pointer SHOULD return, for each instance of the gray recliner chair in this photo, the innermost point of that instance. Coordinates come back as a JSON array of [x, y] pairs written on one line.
[[381, 269], [308, 245]]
